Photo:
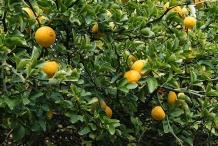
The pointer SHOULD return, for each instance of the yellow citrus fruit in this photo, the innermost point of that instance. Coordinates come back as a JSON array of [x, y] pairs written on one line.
[[133, 58], [41, 18], [45, 36], [158, 113], [108, 111], [50, 68], [98, 35], [50, 113], [29, 12], [172, 97], [132, 76], [185, 10], [95, 28], [200, 5], [112, 25], [177, 9], [102, 104], [138, 65], [189, 22]]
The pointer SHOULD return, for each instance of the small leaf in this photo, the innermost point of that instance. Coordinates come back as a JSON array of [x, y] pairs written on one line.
[[122, 82], [124, 89], [111, 129], [131, 85], [18, 132], [42, 124], [176, 112], [152, 84], [45, 107], [84, 130], [94, 99]]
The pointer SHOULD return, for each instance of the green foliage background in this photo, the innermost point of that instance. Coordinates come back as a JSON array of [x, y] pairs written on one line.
[[92, 69]]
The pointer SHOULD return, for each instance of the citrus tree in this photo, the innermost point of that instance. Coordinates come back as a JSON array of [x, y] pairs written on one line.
[[108, 72]]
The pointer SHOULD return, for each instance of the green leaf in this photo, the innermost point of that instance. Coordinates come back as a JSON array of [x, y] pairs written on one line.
[[124, 89], [74, 118], [18, 132], [193, 77], [26, 101], [212, 93], [84, 130], [11, 103], [92, 100], [15, 41], [42, 124], [99, 137], [152, 84], [176, 112], [22, 63], [170, 14], [131, 85], [122, 82], [106, 67], [35, 95], [166, 127], [45, 107], [35, 127], [111, 129], [114, 78]]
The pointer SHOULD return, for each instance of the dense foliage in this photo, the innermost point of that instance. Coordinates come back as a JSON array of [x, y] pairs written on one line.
[[38, 110]]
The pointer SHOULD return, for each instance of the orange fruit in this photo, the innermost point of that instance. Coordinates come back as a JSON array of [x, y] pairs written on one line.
[[132, 76], [108, 111], [189, 22], [176, 9], [200, 5], [45, 36], [158, 113], [172, 97], [95, 28], [29, 12], [50, 68], [138, 65]]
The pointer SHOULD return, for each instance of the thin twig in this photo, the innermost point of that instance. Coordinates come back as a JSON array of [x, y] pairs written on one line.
[[9, 133]]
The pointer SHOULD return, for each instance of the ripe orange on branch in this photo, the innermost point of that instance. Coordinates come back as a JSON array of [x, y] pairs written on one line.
[[50, 68], [172, 97], [189, 22], [132, 76], [45, 36], [158, 113], [108, 111], [29, 12], [138, 65]]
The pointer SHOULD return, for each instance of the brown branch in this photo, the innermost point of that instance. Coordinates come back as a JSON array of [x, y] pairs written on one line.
[[9, 133]]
